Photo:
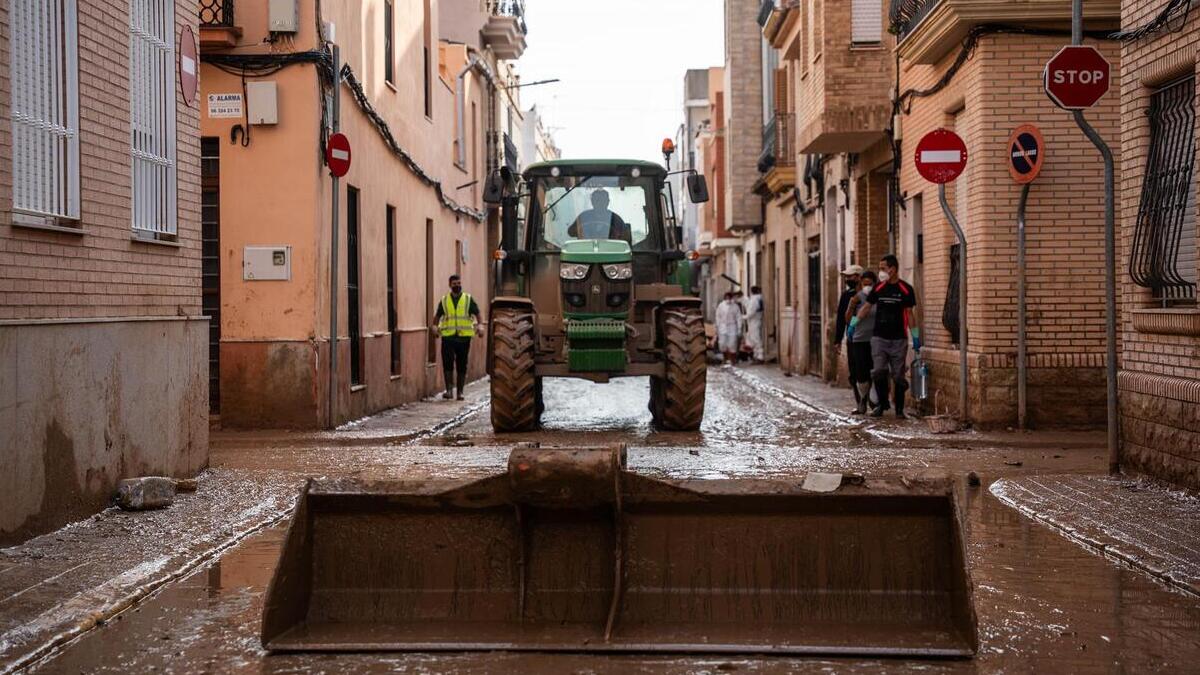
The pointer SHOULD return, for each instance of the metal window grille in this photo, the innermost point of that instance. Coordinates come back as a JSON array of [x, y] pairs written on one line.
[[152, 115], [950, 317], [44, 68], [216, 12], [1163, 256], [866, 22]]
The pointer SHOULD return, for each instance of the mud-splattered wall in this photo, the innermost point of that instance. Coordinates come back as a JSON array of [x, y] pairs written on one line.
[[84, 404]]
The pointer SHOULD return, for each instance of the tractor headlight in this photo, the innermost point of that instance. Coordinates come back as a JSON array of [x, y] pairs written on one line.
[[619, 272], [573, 272]]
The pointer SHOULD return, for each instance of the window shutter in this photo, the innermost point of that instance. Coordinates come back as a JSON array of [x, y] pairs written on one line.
[[866, 21], [152, 114], [782, 102], [45, 107]]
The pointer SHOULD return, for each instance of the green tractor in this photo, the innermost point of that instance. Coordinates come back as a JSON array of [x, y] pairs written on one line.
[[591, 282]]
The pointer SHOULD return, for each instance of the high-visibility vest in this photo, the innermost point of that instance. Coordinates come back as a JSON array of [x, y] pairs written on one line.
[[456, 321]]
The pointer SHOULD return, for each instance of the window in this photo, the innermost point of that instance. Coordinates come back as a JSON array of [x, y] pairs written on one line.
[[428, 51], [353, 296], [152, 115], [392, 313], [595, 207], [430, 298], [210, 261], [44, 72], [389, 33], [813, 19], [1163, 257], [866, 22]]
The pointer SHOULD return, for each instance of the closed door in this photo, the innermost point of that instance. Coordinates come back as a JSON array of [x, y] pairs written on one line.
[[814, 306]]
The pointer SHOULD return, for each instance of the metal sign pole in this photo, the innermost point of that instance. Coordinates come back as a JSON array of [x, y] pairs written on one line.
[[962, 300], [1110, 260], [1021, 307], [335, 123]]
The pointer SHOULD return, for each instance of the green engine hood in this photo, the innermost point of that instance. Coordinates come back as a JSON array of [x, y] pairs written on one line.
[[592, 251]]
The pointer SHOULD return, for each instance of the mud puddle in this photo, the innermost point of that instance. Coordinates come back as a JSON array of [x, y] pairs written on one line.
[[1044, 605]]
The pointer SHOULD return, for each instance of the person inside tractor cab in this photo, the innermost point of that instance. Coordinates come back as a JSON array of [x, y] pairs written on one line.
[[599, 222]]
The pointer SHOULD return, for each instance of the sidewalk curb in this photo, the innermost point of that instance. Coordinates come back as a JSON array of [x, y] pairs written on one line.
[[968, 439], [126, 595], [1102, 548]]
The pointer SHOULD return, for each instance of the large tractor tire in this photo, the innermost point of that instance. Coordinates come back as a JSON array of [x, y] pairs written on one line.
[[677, 400], [514, 385]]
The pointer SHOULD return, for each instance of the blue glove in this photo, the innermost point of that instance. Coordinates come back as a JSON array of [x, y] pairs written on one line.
[[850, 328], [916, 338]]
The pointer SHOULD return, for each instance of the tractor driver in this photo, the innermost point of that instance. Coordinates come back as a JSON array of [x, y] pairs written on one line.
[[599, 222]]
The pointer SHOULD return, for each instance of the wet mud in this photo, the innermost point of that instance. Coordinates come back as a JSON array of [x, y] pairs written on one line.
[[1044, 603]]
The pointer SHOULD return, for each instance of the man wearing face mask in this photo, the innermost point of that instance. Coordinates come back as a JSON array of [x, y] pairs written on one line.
[[851, 276], [893, 300]]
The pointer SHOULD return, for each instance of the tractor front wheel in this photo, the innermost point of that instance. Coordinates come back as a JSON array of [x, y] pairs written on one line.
[[677, 400], [515, 390]]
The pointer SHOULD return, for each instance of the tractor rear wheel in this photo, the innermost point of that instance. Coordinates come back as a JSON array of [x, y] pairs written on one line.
[[679, 396], [514, 385]]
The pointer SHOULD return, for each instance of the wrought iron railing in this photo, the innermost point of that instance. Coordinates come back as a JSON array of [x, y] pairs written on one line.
[[1164, 252], [906, 15], [216, 13], [512, 158], [778, 142], [513, 8]]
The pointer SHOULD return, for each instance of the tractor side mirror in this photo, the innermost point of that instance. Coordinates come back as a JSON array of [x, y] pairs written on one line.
[[697, 188], [493, 188]]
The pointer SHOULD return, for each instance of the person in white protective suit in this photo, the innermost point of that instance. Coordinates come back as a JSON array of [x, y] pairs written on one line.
[[729, 327], [753, 305]]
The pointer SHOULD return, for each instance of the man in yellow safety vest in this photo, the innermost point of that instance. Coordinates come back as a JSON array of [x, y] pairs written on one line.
[[456, 322]]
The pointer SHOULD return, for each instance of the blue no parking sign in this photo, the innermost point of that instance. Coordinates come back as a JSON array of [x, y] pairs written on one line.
[[1026, 152]]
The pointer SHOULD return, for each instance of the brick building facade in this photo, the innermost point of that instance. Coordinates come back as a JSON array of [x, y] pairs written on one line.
[[999, 87], [102, 370], [1160, 324]]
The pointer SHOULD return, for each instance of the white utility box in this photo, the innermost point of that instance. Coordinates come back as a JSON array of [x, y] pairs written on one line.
[[262, 102], [267, 263], [283, 16]]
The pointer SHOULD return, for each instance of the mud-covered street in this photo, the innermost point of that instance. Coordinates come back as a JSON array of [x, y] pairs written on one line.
[[1045, 602]]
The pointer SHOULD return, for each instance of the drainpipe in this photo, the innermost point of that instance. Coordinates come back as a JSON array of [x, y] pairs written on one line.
[[473, 63]]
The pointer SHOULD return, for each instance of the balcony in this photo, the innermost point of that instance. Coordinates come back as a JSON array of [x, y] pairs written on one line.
[[777, 162], [926, 30], [217, 27], [505, 29], [512, 158]]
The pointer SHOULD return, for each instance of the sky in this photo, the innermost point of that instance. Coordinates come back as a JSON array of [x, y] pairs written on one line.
[[622, 64]]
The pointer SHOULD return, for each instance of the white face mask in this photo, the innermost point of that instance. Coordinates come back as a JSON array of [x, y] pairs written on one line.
[[883, 277]]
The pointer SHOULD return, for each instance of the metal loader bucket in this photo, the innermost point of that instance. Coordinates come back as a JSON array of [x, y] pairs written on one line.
[[568, 551]]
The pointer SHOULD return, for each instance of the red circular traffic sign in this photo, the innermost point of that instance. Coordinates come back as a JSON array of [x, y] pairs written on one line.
[[941, 156], [1076, 77], [337, 155], [1026, 153], [189, 65]]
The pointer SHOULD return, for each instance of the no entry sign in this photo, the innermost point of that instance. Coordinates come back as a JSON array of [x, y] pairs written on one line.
[[189, 65], [1026, 152], [1076, 77], [941, 156], [337, 155]]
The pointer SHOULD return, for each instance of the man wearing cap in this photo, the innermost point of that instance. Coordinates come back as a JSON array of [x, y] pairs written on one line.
[[851, 277]]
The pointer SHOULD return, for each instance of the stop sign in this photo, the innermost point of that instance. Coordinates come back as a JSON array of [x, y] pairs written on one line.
[[337, 155], [941, 156], [1076, 77]]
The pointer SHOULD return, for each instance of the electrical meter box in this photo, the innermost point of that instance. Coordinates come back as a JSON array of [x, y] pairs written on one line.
[[267, 263], [262, 102], [283, 16]]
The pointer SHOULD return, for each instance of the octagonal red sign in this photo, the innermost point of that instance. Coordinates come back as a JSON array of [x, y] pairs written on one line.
[[941, 156], [1077, 77]]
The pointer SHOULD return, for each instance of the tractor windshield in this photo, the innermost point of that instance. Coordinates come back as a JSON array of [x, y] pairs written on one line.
[[594, 207]]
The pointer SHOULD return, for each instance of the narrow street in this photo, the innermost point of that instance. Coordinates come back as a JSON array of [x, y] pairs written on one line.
[[1045, 603]]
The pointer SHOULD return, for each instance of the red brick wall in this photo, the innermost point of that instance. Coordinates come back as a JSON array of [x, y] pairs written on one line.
[[102, 272]]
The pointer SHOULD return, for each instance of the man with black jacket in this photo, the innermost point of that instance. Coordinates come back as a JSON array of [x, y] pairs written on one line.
[[851, 276]]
